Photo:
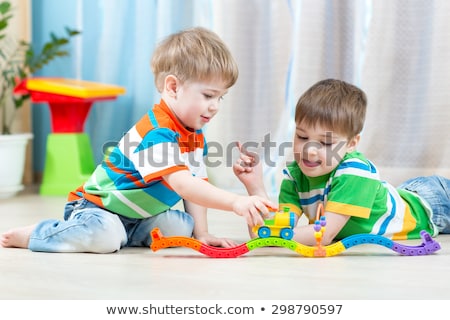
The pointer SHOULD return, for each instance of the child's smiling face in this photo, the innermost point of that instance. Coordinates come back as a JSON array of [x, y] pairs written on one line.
[[196, 103], [318, 150]]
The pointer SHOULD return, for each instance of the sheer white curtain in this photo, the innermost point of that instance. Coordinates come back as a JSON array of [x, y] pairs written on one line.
[[397, 51], [407, 75]]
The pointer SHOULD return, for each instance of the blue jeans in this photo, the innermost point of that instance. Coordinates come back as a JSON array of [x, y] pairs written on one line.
[[435, 190], [89, 228]]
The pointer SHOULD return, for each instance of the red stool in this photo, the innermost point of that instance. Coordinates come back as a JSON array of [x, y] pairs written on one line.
[[69, 159]]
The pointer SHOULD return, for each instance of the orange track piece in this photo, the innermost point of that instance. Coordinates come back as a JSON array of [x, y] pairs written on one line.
[[160, 242]]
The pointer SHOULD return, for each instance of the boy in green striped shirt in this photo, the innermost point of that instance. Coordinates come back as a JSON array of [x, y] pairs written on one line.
[[329, 170]]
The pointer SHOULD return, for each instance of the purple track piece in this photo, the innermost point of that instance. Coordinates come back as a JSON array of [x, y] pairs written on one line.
[[428, 246]]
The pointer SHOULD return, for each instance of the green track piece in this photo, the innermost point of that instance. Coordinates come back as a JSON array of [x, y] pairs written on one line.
[[271, 242]]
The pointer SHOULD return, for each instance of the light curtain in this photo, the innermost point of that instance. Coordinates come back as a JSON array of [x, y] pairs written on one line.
[[397, 51]]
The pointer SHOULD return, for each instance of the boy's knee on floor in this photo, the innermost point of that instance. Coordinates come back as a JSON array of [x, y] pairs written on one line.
[[185, 230], [179, 229], [108, 236]]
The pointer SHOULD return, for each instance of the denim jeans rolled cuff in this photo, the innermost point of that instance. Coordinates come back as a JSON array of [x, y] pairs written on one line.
[[434, 191]]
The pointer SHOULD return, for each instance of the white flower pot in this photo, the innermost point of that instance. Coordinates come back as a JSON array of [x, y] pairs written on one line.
[[12, 163]]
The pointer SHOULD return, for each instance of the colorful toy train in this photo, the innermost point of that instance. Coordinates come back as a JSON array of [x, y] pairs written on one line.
[[280, 224]]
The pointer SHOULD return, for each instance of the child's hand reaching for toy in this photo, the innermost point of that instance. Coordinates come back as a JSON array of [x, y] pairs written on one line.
[[254, 209]]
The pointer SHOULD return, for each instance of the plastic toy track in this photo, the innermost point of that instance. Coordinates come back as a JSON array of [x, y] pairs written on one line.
[[428, 245]]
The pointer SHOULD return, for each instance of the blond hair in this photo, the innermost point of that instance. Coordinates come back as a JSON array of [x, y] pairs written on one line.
[[334, 104], [196, 54]]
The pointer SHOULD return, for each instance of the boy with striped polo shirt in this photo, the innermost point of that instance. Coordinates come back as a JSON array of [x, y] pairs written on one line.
[[328, 170], [157, 163]]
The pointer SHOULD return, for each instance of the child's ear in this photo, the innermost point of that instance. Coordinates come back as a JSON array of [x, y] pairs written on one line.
[[353, 143], [171, 85]]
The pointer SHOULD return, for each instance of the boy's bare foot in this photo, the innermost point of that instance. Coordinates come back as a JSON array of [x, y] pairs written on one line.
[[17, 238]]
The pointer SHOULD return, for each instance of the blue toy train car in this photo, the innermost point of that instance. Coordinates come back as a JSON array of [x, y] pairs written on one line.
[[279, 225]]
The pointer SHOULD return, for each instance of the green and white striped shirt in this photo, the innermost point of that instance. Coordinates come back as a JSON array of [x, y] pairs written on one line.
[[354, 188]]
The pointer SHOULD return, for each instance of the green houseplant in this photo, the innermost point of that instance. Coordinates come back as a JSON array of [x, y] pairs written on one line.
[[18, 60]]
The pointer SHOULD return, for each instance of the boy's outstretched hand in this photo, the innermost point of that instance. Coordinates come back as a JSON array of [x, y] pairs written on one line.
[[216, 242], [248, 169], [253, 209]]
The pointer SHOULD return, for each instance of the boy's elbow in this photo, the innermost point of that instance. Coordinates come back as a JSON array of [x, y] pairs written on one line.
[[179, 182], [181, 189], [327, 239]]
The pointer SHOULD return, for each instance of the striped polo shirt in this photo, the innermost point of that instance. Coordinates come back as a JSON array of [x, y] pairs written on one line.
[[129, 181], [354, 188]]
